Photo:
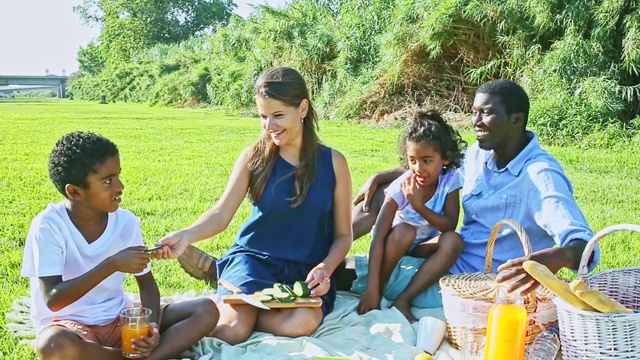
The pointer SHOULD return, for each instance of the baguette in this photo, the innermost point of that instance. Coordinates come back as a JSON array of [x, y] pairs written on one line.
[[560, 288], [599, 300]]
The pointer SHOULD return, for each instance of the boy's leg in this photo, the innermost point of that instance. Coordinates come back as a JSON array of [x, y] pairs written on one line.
[[183, 324], [290, 322], [62, 343], [440, 253]]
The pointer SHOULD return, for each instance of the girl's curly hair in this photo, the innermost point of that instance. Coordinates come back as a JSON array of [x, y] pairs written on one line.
[[428, 127]]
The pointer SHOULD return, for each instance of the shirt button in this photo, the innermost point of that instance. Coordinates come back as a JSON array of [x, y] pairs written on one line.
[[473, 216], [504, 197]]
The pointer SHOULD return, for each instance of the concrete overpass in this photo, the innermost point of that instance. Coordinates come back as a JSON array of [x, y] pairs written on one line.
[[58, 82]]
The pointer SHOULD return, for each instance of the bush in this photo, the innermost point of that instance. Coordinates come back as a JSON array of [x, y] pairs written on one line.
[[370, 60]]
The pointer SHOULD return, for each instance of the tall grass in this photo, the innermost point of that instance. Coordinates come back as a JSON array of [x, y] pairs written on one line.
[[365, 59], [175, 164]]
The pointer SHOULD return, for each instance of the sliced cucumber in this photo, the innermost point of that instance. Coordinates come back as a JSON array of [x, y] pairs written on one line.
[[301, 289], [269, 291], [263, 297], [283, 297]]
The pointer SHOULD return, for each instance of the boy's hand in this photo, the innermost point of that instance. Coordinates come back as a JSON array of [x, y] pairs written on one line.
[[148, 343], [131, 260]]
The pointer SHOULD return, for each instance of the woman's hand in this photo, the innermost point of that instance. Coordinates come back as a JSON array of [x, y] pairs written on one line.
[[173, 245], [319, 281]]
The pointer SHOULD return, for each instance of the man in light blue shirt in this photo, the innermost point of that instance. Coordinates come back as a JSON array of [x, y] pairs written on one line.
[[506, 175]]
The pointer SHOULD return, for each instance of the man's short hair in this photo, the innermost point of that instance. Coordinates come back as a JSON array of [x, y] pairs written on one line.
[[512, 96], [75, 156]]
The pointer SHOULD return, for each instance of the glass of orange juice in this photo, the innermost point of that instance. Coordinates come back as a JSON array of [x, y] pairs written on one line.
[[134, 323]]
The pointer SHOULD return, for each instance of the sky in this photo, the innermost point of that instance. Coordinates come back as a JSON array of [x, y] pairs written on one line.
[[41, 35]]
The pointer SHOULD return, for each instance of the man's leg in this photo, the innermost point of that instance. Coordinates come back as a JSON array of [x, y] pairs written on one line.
[[362, 223]]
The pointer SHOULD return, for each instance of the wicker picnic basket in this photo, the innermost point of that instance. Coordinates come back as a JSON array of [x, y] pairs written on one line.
[[467, 298], [587, 335]]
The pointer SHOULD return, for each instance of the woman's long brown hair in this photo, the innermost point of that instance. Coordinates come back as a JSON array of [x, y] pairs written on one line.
[[288, 86]]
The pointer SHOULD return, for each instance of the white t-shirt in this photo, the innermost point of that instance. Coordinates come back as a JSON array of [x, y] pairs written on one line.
[[447, 182], [54, 247]]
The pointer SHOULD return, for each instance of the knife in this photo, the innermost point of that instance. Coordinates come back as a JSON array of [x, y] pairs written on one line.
[[244, 297]]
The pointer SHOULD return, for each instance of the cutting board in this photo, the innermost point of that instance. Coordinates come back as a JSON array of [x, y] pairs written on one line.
[[300, 302]]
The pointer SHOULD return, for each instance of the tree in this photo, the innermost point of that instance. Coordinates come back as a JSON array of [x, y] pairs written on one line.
[[128, 25]]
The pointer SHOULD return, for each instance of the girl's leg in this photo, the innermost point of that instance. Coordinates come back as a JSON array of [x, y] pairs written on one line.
[[60, 343], [184, 324], [440, 253], [236, 322], [396, 245], [290, 322]]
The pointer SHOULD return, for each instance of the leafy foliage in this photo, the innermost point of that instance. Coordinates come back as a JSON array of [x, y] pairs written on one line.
[[371, 60]]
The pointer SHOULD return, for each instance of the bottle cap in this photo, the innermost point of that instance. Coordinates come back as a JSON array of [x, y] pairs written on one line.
[[554, 329]]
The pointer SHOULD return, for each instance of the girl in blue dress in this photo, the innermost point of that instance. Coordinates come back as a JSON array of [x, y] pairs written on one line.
[[419, 213], [300, 222]]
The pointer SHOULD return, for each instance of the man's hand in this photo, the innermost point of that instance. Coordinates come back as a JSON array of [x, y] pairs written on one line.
[[366, 192], [554, 258]]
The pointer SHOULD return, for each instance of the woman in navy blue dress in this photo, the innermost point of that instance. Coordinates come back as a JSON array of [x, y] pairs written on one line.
[[300, 222]]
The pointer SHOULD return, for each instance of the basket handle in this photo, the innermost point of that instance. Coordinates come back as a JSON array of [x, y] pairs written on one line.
[[588, 250], [522, 235], [524, 240]]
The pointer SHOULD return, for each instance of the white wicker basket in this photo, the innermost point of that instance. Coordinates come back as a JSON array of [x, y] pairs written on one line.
[[587, 335]]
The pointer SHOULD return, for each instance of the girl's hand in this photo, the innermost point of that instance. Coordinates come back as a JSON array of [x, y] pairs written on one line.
[[413, 191], [319, 281], [173, 245], [147, 344]]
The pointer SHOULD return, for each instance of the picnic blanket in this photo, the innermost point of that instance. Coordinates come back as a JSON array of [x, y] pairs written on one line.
[[379, 334]]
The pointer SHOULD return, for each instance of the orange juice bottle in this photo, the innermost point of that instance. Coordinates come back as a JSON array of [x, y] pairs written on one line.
[[130, 332], [506, 329]]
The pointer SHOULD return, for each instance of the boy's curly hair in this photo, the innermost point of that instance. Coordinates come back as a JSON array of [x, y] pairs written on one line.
[[428, 127], [75, 156]]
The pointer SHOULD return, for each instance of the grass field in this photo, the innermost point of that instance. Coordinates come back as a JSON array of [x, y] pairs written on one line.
[[175, 164]]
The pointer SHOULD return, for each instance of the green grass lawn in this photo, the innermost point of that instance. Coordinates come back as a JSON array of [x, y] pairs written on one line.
[[175, 164]]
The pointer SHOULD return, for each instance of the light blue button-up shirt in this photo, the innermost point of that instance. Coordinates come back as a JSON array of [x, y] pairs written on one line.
[[533, 190]]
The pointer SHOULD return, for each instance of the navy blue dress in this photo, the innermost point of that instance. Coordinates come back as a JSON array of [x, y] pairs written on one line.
[[282, 244]]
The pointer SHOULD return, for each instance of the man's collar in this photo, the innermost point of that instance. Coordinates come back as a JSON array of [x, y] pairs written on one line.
[[516, 165]]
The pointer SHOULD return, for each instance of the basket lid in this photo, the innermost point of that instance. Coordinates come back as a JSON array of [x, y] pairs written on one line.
[[482, 286]]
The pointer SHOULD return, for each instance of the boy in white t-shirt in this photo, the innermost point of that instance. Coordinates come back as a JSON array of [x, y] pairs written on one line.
[[77, 254]]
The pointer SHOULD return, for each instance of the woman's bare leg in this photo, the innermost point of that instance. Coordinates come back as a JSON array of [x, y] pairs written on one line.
[[293, 322]]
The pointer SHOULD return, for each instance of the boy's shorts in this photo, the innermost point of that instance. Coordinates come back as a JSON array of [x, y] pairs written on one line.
[[108, 335]]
